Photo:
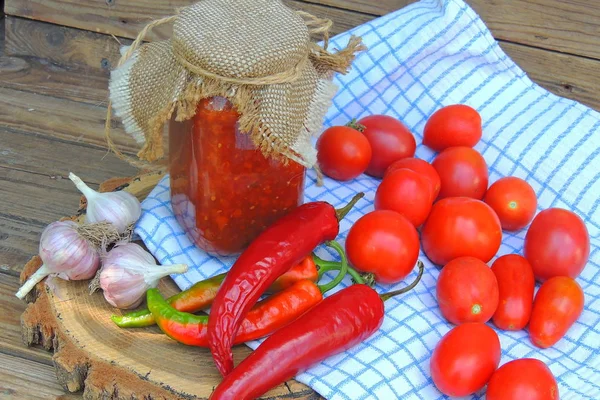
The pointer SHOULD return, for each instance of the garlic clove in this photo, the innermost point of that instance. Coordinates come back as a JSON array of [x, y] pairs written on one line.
[[122, 209]]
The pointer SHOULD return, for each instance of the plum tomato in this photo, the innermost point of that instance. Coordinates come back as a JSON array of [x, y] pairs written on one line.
[[407, 193], [390, 141], [557, 305], [465, 359], [463, 172], [343, 153], [461, 226], [557, 243], [467, 291], [384, 243], [516, 285], [514, 201], [421, 167], [453, 125], [524, 378]]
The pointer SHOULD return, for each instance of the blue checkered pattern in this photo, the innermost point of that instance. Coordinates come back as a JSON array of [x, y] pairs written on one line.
[[430, 54]]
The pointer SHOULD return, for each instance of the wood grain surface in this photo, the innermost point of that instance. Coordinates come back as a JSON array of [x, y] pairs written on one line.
[[53, 98]]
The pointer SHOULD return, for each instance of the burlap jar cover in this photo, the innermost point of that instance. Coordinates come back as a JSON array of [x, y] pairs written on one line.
[[256, 53]]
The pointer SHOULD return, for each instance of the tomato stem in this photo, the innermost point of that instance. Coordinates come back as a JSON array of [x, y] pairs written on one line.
[[343, 270], [342, 212], [388, 295], [355, 125]]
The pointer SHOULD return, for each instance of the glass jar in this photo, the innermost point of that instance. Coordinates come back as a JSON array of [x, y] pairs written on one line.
[[224, 191]]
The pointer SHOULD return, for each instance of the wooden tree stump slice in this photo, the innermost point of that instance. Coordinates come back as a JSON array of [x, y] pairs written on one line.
[[93, 355]]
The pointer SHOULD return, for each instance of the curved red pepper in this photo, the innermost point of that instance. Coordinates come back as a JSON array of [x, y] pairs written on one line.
[[336, 324], [273, 252]]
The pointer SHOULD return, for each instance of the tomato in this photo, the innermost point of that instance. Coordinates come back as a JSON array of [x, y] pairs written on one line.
[[343, 153], [467, 291], [557, 305], [390, 140], [407, 193], [454, 125], [465, 359], [513, 200], [460, 226], [516, 284], [525, 378], [557, 244], [421, 167], [462, 171], [384, 243]]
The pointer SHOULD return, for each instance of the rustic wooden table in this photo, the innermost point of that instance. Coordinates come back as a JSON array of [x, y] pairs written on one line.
[[55, 58]]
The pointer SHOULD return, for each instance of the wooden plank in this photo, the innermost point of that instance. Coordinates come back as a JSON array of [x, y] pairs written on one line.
[[569, 76], [64, 119], [569, 26], [127, 18], [10, 325], [25, 379]]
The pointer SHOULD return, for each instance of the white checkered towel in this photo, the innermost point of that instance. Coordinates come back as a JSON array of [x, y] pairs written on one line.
[[430, 54]]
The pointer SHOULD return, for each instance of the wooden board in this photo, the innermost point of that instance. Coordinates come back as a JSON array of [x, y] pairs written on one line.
[[94, 355]]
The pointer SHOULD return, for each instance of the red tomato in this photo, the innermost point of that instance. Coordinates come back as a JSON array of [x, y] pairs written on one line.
[[516, 284], [467, 291], [455, 125], [557, 305], [465, 359], [421, 167], [343, 153], [384, 243], [460, 226], [557, 244], [390, 140], [462, 171], [407, 193], [513, 200], [525, 378]]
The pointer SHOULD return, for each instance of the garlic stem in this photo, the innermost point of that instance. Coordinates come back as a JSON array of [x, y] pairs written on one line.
[[157, 272], [87, 191], [33, 280]]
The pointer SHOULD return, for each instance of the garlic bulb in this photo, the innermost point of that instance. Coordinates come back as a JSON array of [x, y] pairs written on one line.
[[128, 271], [65, 253], [120, 208]]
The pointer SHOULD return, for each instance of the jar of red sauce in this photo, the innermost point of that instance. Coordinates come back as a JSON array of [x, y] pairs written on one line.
[[224, 191]]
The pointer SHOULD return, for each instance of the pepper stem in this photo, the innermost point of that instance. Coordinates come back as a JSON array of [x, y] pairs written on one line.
[[342, 212], [386, 296], [343, 270], [326, 266], [33, 280]]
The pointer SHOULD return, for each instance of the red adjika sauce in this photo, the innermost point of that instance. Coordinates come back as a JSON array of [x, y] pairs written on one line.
[[224, 191]]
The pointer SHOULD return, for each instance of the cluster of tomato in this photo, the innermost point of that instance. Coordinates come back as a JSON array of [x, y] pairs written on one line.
[[461, 222]]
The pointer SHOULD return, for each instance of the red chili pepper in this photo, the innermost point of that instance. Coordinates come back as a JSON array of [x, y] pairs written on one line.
[[273, 252], [338, 323], [202, 294]]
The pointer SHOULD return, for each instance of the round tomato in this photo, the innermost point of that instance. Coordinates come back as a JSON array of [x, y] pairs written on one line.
[[390, 140], [557, 305], [525, 378], [407, 193], [462, 171], [516, 285], [454, 125], [513, 200], [384, 243], [461, 226], [465, 359], [421, 167], [343, 153], [467, 291], [557, 244]]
